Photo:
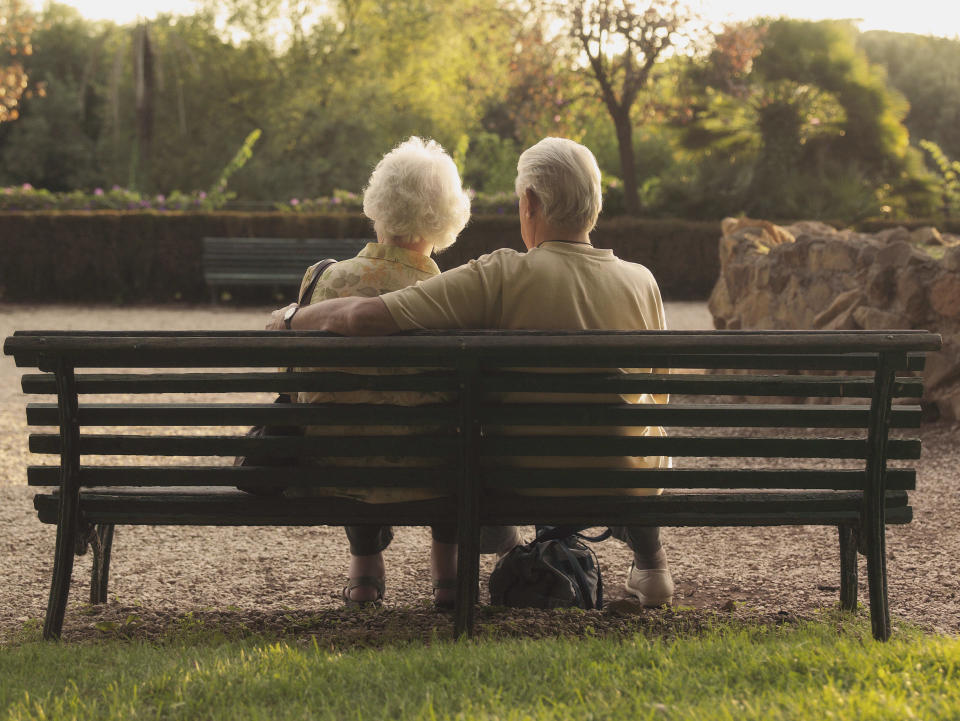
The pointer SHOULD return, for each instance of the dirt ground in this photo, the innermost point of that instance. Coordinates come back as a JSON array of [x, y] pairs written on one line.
[[262, 577]]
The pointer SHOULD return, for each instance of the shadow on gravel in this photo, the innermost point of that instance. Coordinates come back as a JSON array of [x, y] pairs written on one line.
[[379, 627]]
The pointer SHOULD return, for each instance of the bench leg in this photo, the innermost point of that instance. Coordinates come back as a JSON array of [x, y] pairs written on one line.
[[848, 567], [877, 579], [67, 530], [103, 541], [468, 583]]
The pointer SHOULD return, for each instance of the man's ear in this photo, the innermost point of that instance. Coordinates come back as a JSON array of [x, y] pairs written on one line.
[[533, 203]]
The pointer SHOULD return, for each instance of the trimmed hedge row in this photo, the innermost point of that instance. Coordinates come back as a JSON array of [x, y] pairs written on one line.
[[150, 257]]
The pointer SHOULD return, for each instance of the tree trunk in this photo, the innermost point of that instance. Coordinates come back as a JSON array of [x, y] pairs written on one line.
[[628, 171]]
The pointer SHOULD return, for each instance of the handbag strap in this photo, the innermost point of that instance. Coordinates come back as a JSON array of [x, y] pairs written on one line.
[[318, 269], [553, 533], [583, 582], [305, 298]]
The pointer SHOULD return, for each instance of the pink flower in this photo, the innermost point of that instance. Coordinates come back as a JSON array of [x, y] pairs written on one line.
[[98, 191], [337, 201], [27, 186], [294, 201]]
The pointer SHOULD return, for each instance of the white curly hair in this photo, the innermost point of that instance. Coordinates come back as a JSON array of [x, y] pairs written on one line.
[[415, 193], [565, 177]]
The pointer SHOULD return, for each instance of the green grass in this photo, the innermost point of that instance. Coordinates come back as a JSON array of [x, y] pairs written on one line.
[[811, 671]]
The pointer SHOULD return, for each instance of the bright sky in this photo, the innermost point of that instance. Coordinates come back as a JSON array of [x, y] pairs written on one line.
[[925, 17]]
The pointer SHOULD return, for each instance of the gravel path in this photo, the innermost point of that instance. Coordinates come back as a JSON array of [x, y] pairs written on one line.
[[261, 577]]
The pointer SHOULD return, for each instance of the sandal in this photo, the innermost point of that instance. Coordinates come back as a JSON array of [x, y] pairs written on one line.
[[373, 582], [444, 584]]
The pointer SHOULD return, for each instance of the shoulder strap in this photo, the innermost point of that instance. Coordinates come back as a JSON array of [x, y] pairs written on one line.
[[318, 269]]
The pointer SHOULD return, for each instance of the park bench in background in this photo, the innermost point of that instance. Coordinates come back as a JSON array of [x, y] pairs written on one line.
[[277, 262], [729, 443]]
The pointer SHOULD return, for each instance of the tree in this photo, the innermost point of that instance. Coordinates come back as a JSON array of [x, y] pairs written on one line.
[[16, 24], [622, 41], [926, 70], [804, 124]]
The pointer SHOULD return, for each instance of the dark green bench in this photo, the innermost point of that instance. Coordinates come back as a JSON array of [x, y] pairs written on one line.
[[277, 262], [723, 443]]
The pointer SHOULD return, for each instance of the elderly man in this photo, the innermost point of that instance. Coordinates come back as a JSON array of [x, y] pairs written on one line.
[[562, 282]]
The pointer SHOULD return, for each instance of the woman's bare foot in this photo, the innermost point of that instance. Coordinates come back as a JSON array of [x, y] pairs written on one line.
[[443, 568], [370, 566]]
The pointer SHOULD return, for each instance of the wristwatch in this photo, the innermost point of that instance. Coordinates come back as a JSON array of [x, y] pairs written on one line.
[[288, 315]]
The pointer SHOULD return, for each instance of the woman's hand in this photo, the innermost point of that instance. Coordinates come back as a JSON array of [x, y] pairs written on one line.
[[276, 318]]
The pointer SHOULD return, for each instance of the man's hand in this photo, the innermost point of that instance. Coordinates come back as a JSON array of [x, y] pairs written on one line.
[[276, 318]]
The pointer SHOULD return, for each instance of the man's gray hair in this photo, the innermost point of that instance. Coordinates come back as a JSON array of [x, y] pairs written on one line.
[[415, 192], [565, 177]]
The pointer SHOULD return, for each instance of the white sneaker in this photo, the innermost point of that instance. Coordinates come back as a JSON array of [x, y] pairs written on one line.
[[654, 587]]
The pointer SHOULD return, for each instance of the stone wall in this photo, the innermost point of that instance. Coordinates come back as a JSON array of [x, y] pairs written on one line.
[[811, 276]]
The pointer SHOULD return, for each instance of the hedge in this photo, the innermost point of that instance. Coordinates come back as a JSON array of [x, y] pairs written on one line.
[[152, 257]]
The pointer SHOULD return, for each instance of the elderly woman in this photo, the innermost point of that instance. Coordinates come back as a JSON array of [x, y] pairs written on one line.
[[417, 205], [562, 282]]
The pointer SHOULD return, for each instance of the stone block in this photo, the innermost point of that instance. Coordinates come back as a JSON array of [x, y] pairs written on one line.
[[943, 368], [926, 235], [843, 321], [818, 296], [951, 259], [815, 250], [758, 314], [870, 318], [893, 235], [911, 291], [948, 403], [880, 285], [867, 255], [842, 304], [838, 256], [719, 304], [895, 254], [945, 295]]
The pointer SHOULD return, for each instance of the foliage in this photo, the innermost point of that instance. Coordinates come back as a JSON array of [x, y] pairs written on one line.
[[830, 669], [341, 201], [778, 118], [795, 123], [26, 197], [949, 177], [924, 70], [16, 24], [218, 194]]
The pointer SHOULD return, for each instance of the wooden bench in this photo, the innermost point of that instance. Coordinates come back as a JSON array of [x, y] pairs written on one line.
[[278, 262], [722, 442]]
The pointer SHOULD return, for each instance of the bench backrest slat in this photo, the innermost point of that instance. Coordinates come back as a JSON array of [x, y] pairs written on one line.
[[693, 383], [502, 478], [143, 383], [245, 414]]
